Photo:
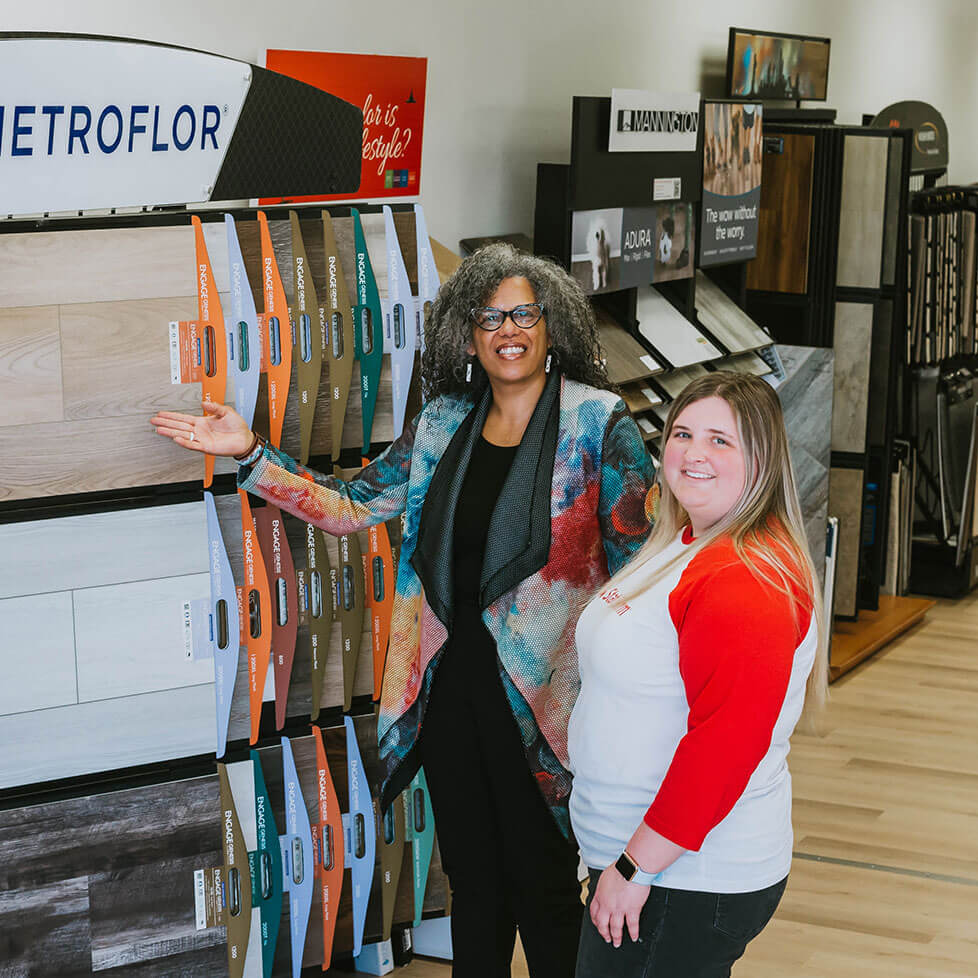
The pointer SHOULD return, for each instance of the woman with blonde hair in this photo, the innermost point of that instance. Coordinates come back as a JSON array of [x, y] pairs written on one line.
[[694, 661]]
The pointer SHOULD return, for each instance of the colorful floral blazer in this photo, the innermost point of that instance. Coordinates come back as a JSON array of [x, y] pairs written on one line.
[[572, 511]]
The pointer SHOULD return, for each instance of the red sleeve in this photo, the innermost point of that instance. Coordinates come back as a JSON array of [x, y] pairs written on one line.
[[737, 640]]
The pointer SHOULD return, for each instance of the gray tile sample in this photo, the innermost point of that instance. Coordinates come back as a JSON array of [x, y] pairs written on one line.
[[725, 319], [861, 217], [806, 400], [850, 403], [846, 503], [670, 332]]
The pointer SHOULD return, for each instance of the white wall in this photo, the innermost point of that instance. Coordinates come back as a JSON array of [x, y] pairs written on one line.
[[501, 73]]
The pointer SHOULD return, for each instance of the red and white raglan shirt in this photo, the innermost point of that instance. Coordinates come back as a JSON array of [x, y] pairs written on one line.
[[689, 694]]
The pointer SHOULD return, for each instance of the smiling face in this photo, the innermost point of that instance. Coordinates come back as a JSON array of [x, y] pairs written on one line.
[[703, 461], [511, 355]]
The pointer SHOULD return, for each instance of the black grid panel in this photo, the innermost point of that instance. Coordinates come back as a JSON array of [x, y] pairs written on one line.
[[291, 140]]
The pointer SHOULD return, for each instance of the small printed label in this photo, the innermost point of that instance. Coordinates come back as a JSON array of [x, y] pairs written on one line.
[[667, 188], [651, 396], [198, 630], [650, 363], [200, 900], [647, 426], [186, 355]]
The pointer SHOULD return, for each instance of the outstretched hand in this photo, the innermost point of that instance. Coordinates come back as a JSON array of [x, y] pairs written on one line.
[[220, 431]]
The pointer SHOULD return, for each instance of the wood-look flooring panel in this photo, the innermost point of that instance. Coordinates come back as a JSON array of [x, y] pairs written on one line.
[[30, 366], [116, 358], [627, 360], [93, 455], [39, 662], [67, 741], [106, 265], [725, 319], [850, 400], [784, 223], [861, 216], [129, 638], [846, 503], [102, 548]]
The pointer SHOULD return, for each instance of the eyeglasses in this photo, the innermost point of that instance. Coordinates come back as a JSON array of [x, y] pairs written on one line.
[[524, 316]]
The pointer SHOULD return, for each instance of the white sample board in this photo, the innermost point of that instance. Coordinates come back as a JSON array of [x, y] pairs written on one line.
[[670, 332], [101, 679]]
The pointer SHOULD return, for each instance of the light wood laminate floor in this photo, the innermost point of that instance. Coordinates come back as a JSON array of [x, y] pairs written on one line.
[[885, 877]]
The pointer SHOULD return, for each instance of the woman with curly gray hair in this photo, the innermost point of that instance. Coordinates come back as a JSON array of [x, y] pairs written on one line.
[[524, 483]]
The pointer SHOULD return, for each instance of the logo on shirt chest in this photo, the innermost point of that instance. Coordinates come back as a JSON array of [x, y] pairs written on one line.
[[612, 595]]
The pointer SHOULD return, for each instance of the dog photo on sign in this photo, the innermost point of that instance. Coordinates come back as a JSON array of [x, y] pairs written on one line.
[[596, 249], [673, 242]]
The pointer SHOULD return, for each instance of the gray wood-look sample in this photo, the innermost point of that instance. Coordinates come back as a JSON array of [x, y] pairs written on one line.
[[853, 340], [896, 181], [97, 600], [806, 400], [670, 332], [675, 381], [846, 503], [862, 211], [39, 661], [103, 548], [104, 883], [745, 363], [30, 366], [626, 358], [129, 638], [725, 319]]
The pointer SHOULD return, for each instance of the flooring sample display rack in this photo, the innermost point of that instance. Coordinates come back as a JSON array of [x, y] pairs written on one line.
[[86, 363]]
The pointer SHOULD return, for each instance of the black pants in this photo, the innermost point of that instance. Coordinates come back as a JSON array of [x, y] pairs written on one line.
[[682, 934], [507, 862]]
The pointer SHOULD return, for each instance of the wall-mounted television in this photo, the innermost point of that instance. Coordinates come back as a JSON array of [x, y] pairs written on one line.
[[764, 65]]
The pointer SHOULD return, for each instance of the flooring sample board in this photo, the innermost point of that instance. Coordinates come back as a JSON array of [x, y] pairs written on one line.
[[725, 320], [806, 400], [104, 735], [103, 548], [670, 332], [626, 358], [129, 638], [640, 398], [880, 371], [39, 662], [896, 182], [30, 366], [862, 211], [846, 504], [675, 381], [98, 599], [850, 398], [785, 220], [106, 265], [745, 363], [104, 883]]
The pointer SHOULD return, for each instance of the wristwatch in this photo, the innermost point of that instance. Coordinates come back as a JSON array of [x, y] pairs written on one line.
[[632, 872]]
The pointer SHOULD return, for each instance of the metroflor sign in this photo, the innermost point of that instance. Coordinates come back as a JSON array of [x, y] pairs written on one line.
[[100, 122]]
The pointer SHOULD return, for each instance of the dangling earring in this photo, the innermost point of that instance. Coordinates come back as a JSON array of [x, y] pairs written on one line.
[[546, 368], [468, 372]]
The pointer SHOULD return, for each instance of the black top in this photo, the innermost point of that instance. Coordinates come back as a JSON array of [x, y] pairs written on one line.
[[488, 468]]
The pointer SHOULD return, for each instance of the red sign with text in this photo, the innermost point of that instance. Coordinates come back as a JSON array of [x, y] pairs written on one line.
[[390, 92]]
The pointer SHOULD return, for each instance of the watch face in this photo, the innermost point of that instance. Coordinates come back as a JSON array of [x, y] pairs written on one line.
[[626, 867]]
